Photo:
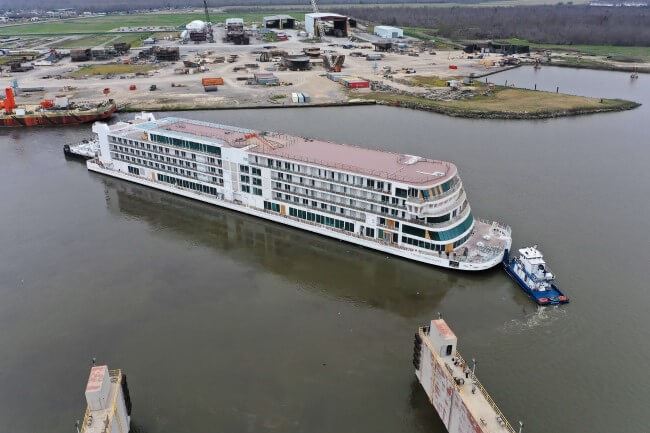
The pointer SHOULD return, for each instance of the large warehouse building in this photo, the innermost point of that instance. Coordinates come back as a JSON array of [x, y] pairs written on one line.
[[335, 24], [388, 32]]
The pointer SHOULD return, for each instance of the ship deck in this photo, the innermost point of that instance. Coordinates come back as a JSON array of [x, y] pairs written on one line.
[[354, 159], [95, 421], [479, 403]]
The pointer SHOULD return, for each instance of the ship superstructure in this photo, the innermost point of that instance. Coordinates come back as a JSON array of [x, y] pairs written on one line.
[[405, 205]]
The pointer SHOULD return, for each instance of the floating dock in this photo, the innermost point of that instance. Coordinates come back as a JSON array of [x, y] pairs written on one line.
[[109, 403], [462, 403]]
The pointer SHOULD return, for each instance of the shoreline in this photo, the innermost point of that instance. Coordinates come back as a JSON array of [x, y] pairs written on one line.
[[505, 115], [134, 108], [623, 105]]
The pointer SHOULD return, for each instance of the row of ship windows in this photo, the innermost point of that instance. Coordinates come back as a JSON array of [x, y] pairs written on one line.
[[359, 181], [152, 164], [355, 192], [187, 184], [443, 235], [168, 159], [247, 189], [252, 170], [426, 194], [431, 246], [323, 206], [247, 179], [446, 217], [321, 219], [187, 144], [325, 174], [339, 200]]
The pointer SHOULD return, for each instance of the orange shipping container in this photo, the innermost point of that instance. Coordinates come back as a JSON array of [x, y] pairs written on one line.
[[216, 81]]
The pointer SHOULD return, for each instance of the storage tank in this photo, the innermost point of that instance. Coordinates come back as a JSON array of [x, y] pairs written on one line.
[[196, 26]]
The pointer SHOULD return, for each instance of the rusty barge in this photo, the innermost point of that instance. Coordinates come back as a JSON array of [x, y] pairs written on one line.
[[49, 112]]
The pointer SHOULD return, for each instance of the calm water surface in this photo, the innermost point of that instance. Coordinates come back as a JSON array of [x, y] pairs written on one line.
[[228, 323]]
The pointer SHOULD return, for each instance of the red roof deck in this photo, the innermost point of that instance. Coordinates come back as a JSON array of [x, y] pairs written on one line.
[[380, 164]]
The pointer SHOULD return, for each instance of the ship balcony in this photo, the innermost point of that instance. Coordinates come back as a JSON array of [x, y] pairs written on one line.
[[329, 202], [460, 216], [357, 197], [362, 192], [419, 201]]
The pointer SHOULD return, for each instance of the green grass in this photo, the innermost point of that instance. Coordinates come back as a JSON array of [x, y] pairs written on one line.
[[110, 69], [135, 39], [639, 53], [425, 34], [429, 81], [83, 42], [107, 23], [505, 102]]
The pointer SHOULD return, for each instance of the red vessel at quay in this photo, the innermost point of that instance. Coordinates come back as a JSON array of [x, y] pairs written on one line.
[[57, 112]]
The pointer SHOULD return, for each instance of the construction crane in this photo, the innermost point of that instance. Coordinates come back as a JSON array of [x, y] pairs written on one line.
[[207, 21], [319, 23]]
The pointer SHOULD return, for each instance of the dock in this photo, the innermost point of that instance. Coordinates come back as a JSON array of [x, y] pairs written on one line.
[[108, 407], [463, 404]]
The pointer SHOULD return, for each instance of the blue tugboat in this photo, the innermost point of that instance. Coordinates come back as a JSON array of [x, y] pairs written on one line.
[[529, 270]]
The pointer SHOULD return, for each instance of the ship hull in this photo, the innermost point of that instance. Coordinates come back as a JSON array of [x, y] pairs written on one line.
[[56, 119], [286, 221]]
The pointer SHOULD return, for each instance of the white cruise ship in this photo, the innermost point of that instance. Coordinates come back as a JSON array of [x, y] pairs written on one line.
[[404, 205]]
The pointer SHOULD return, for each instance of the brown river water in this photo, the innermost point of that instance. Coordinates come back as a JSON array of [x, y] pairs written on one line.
[[226, 323]]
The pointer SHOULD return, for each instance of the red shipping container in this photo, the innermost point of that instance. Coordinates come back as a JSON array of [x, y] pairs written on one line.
[[358, 84], [216, 81]]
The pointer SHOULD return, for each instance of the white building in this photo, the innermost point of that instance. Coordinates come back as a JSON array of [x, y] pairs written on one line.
[[388, 32], [338, 24]]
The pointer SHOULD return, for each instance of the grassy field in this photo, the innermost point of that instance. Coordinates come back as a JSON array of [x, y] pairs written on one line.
[[110, 69], [429, 81], [107, 23], [425, 34], [638, 53], [506, 103], [83, 42]]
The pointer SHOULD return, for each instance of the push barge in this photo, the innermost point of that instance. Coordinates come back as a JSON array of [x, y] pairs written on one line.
[[50, 114], [404, 205], [463, 404]]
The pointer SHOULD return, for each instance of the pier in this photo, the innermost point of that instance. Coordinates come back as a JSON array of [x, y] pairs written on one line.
[[463, 404]]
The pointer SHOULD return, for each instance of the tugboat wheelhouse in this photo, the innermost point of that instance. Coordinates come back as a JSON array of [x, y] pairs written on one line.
[[405, 205]]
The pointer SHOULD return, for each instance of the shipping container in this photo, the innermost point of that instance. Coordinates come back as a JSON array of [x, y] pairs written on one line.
[[213, 81], [359, 84]]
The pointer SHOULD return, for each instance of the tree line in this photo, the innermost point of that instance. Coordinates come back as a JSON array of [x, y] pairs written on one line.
[[126, 5], [554, 24]]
